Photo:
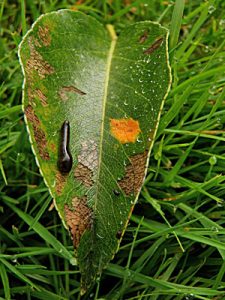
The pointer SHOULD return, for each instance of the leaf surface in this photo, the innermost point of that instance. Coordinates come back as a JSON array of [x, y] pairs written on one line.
[[111, 90]]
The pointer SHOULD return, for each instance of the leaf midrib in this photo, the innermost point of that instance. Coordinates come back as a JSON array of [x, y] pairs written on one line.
[[106, 84]]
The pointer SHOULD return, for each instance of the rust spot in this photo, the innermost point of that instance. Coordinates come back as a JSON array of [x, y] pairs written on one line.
[[65, 89], [39, 134], [60, 182], [89, 155], [37, 63], [44, 35], [78, 218], [143, 37], [83, 174], [125, 130], [154, 46], [133, 179]]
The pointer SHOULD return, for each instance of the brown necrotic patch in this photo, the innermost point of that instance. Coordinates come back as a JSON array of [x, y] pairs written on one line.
[[89, 155], [78, 218], [36, 42], [40, 139], [154, 46], [44, 35], [134, 175], [31, 116], [66, 89], [39, 134], [83, 174], [37, 63], [38, 94], [41, 96], [30, 95], [60, 180], [125, 130]]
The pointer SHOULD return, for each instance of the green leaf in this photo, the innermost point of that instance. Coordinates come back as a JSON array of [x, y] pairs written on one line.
[[111, 91], [5, 281]]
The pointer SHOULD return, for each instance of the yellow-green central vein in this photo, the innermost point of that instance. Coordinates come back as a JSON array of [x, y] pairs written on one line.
[[108, 67]]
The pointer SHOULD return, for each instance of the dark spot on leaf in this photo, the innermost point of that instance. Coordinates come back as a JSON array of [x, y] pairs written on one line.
[[134, 174], [154, 46], [83, 174], [116, 192], [78, 218], [143, 37], [39, 134], [66, 89]]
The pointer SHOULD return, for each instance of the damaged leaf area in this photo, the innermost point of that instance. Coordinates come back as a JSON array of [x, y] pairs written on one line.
[[133, 178], [110, 91], [125, 130], [78, 218]]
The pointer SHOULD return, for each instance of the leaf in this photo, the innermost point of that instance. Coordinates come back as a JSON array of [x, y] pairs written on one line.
[[111, 90]]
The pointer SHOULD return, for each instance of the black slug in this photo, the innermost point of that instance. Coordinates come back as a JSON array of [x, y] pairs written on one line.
[[65, 160]]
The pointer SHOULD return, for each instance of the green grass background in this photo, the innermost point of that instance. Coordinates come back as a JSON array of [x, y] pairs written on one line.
[[174, 246]]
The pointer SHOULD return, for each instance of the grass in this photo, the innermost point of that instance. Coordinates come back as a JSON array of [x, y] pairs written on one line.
[[174, 247]]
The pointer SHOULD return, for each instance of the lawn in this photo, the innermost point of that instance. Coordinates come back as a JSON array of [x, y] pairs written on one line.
[[174, 245]]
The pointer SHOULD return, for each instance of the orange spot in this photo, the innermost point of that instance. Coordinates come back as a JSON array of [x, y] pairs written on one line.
[[125, 130]]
